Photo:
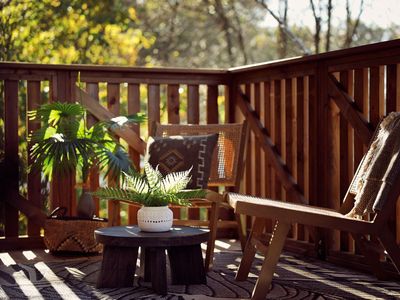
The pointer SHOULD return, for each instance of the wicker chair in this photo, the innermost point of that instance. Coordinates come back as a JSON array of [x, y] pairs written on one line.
[[226, 170]]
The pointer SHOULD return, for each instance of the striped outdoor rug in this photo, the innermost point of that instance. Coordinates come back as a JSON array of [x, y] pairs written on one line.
[[295, 279]]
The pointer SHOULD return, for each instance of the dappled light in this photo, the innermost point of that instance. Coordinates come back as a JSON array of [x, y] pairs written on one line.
[[75, 277]]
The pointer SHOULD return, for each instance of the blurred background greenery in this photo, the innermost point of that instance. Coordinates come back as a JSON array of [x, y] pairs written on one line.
[[187, 33]]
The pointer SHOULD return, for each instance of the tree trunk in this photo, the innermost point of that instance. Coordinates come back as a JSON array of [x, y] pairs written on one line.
[[328, 31], [282, 37]]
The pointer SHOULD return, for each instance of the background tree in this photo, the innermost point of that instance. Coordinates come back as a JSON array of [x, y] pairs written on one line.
[[197, 33]]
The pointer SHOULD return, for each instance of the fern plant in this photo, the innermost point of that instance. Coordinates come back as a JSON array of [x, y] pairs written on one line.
[[152, 189]]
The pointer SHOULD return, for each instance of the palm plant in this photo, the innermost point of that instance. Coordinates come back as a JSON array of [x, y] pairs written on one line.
[[152, 189], [64, 144]]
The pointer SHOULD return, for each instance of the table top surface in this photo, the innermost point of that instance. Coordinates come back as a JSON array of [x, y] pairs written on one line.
[[132, 236]]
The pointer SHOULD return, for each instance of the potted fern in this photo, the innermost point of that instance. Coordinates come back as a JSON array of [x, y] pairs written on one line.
[[64, 145], [154, 192]]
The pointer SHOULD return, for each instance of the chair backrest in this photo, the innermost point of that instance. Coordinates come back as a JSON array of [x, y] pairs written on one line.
[[382, 157], [228, 157]]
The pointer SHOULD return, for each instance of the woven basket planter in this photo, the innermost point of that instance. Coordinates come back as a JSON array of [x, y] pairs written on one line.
[[72, 234]]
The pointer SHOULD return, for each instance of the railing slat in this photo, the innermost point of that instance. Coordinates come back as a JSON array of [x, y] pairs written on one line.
[[193, 117], [212, 104], [391, 88], [333, 165], [267, 162], [397, 109], [247, 170], [34, 185], [257, 149], [134, 107], [289, 137], [153, 104], [173, 118], [113, 105], [298, 141], [278, 131], [391, 105], [173, 103], [62, 192], [312, 141], [93, 90], [267, 124], [193, 114], [346, 157], [11, 155], [376, 95]]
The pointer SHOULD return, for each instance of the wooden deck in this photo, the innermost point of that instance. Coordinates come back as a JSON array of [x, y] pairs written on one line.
[[310, 119], [40, 275]]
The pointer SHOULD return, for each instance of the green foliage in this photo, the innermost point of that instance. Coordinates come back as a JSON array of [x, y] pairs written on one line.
[[53, 31], [152, 189], [215, 33], [63, 143]]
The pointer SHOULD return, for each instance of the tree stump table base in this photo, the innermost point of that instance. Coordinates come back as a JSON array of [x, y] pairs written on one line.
[[120, 253]]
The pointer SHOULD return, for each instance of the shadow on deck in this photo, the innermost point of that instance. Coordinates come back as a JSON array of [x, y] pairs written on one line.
[[40, 275]]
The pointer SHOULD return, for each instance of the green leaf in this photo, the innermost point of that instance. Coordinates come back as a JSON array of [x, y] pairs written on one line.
[[175, 182], [154, 176], [151, 189]]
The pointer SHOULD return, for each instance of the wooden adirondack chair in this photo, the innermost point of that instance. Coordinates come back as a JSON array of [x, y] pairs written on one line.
[[286, 214], [226, 170]]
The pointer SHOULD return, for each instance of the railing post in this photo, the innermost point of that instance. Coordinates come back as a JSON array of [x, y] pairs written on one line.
[[322, 110], [63, 189], [11, 160], [34, 184]]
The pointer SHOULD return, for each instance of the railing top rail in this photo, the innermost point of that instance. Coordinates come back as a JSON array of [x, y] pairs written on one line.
[[110, 68], [359, 50]]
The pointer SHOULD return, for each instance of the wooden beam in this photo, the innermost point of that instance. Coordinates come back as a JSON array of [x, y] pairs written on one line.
[[265, 142], [31, 211], [21, 243], [347, 108], [101, 113]]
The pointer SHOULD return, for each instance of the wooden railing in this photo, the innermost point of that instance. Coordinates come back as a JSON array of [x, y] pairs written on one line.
[[166, 95], [310, 121]]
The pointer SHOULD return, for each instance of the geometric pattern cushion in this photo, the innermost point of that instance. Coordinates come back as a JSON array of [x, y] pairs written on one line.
[[180, 153]]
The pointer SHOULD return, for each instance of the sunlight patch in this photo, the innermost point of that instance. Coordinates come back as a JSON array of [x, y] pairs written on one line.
[[6, 259]]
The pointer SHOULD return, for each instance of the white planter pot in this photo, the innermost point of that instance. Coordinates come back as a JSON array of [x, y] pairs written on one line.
[[155, 219]]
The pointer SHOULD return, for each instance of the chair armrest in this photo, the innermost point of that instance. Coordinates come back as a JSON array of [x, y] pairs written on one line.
[[214, 196]]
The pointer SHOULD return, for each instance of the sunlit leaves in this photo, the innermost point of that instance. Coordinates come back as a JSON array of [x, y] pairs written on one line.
[[152, 189], [64, 144], [48, 31]]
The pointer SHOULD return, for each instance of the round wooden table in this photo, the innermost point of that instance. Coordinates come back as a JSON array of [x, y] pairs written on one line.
[[120, 253]]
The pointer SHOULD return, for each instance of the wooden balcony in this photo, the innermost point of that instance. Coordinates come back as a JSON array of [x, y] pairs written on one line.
[[310, 118]]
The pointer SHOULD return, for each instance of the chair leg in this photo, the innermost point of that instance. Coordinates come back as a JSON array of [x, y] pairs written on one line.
[[250, 250], [241, 235], [368, 249], [271, 259], [389, 243], [114, 209], [213, 226]]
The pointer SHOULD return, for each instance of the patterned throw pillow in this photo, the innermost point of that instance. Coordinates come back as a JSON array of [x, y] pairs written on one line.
[[180, 153]]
